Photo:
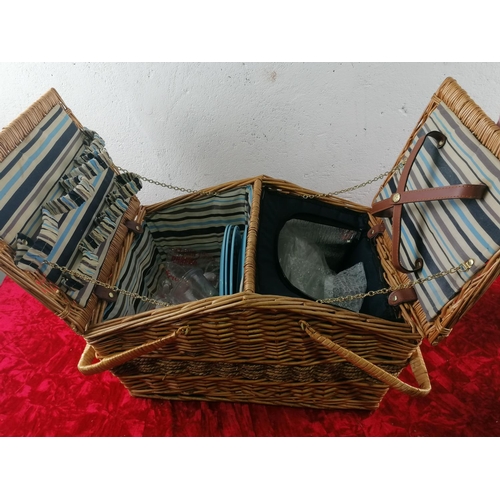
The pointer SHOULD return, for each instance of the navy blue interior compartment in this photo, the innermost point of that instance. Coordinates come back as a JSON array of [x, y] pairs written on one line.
[[277, 208]]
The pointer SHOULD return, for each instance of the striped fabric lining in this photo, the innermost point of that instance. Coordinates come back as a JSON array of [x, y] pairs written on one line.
[[81, 169], [75, 224], [80, 193], [42, 247], [447, 233], [57, 190], [29, 175], [93, 248], [23, 244], [200, 224], [140, 273], [194, 225]]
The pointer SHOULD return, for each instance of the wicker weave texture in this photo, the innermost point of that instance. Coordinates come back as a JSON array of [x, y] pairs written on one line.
[[254, 348], [251, 347]]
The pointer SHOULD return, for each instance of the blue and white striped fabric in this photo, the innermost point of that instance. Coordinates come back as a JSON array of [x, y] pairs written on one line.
[[200, 224], [140, 273], [80, 193], [31, 258], [447, 233], [60, 201], [75, 224], [29, 175], [63, 227], [92, 249], [194, 225]]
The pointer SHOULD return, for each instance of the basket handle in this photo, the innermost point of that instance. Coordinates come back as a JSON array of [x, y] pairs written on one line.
[[87, 366], [416, 362]]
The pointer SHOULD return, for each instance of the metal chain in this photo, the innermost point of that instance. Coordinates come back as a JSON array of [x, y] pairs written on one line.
[[464, 266], [170, 186], [399, 166], [89, 279]]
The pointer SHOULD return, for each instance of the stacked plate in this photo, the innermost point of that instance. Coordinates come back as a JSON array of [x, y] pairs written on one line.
[[232, 260]]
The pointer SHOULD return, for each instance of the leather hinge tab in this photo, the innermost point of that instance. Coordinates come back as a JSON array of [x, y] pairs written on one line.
[[402, 296], [376, 230], [106, 294], [134, 226]]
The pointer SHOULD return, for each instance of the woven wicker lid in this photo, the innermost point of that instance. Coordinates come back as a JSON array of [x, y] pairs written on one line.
[[48, 134], [448, 232]]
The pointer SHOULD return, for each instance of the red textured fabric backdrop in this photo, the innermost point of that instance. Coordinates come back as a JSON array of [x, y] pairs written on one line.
[[43, 394]]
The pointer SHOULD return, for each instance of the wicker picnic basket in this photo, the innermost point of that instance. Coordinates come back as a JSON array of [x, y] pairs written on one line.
[[264, 342]]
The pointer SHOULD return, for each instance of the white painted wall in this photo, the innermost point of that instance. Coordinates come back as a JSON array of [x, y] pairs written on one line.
[[324, 126]]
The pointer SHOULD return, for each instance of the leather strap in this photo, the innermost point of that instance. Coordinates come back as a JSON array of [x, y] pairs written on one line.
[[401, 296], [376, 230], [459, 191], [134, 226], [393, 206], [105, 293]]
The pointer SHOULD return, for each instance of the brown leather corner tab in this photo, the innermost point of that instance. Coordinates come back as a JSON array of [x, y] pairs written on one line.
[[106, 294], [134, 226], [402, 296], [376, 230]]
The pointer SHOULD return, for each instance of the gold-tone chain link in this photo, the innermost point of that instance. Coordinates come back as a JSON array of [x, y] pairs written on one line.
[[464, 267], [399, 166], [89, 279], [205, 192], [170, 186]]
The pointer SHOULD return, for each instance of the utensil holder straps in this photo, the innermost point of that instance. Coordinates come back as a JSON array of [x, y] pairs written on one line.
[[87, 366], [417, 365], [393, 206]]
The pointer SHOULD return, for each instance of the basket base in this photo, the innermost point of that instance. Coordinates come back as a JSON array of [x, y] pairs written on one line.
[[346, 395]]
